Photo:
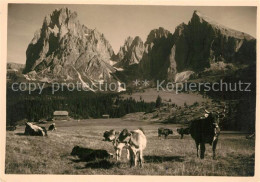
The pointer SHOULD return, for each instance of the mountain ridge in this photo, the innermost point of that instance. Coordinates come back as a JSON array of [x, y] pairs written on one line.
[[64, 50]]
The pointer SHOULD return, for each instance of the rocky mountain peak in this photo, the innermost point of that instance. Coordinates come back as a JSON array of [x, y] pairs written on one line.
[[128, 41], [200, 18], [157, 34], [131, 52], [193, 47], [60, 17], [64, 49]]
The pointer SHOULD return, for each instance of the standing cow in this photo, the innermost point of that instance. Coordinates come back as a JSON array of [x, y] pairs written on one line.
[[205, 130], [183, 131], [164, 131], [136, 142]]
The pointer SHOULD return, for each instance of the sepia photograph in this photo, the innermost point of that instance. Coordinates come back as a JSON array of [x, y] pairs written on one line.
[[129, 89]]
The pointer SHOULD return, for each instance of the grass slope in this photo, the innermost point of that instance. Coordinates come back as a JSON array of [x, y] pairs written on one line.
[[173, 156]]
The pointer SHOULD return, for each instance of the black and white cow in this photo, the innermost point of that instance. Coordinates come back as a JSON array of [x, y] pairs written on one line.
[[205, 130]]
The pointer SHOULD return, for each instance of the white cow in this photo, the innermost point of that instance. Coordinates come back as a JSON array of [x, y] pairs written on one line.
[[136, 142]]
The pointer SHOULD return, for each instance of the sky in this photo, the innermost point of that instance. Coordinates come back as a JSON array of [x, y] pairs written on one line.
[[117, 22]]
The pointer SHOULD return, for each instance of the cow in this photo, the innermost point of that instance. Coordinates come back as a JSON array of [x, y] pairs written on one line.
[[88, 154], [52, 127], [183, 131], [205, 130], [110, 135], [136, 142], [34, 130], [164, 131]]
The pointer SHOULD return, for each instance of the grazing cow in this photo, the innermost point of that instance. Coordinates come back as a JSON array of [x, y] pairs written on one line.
[[164, 131], [34, 130], [52, 127], [110, 135], [205, 130], [136, 143], [88, 154], [183, 131]]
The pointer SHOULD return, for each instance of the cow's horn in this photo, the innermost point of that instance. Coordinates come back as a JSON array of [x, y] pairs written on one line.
[[206, 111]]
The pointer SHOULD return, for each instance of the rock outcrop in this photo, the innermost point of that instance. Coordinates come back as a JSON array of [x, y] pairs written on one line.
[[203, 42], [131, 52], [193, 47], [63, 50], [157, 61]]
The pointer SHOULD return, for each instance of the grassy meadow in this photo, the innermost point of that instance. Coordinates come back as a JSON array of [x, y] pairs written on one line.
[[172, 156]]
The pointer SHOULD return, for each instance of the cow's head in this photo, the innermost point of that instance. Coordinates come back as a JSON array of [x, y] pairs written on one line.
[[215, 117], [124, 136], [75, 150], [110, 135]]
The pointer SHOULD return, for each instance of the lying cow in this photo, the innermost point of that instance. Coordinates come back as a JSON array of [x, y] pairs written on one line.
[[205, 130], [34, 130], [164, 131], [52, 127], [88, 154], [136, 142], [110, 135], [183, 131]]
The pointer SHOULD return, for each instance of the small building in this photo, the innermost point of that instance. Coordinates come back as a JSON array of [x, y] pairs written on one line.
[[105, 116], [60, 115]]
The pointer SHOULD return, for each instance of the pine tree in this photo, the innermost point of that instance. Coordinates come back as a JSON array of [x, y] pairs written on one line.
[[158, 102]]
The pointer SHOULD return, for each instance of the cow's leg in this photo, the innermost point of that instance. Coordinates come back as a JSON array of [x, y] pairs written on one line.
[[202, 150], [141, 158], [128, 154], [118, 154], [181, 136], [131, 157], [136, 157], [214, 145], [197, 147], [165, 136]]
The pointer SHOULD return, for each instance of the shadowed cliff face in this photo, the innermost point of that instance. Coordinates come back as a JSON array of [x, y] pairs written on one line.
[[193, 47], [204, 41], [65, 49], [157, 59]]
